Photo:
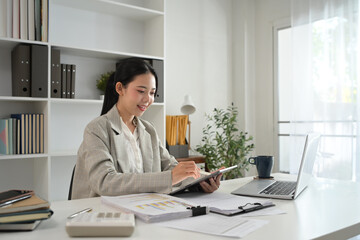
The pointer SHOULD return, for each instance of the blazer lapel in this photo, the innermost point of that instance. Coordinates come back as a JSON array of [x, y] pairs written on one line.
[[118, 137]]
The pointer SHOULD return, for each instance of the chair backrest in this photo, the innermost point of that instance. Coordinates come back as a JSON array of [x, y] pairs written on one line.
[[71, 183]]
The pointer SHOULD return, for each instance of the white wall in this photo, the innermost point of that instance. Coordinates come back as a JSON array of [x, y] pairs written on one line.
[[198, 57], [221, 52]]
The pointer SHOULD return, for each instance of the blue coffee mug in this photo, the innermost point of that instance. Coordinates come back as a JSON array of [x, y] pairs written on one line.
[[264, 165]]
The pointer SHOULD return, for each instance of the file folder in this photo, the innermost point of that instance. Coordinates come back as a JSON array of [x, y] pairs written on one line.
[[39, 71], [55, 74], [20, 70]]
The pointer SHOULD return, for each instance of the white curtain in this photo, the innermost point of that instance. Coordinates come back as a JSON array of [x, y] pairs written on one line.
[[326, 86]]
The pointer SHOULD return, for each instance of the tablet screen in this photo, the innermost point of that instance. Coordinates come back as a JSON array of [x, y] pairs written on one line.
[[203, 178]]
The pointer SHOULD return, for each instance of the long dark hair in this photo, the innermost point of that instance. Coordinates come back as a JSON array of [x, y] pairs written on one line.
[[126, 71]]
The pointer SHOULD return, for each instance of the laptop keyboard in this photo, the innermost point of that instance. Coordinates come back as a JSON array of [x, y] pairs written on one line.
[[280, 188]]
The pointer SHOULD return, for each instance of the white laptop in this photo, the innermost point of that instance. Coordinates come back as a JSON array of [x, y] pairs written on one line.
[[285, 189]]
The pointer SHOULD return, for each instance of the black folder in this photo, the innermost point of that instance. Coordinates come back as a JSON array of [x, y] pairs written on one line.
[[68, 80], [72, 87], [20, 70], [39, 71], [63, 80], [55, 74]]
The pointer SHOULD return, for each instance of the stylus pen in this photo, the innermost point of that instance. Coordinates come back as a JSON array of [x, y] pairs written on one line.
[[14, 200], [80, 212]]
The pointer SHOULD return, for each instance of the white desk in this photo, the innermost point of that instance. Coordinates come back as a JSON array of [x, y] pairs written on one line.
[[327, 209]]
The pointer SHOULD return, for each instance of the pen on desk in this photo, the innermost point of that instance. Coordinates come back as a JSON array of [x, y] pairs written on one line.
[[80, 212]]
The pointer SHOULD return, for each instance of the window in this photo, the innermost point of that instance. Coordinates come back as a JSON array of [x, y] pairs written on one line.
[[332, 93]]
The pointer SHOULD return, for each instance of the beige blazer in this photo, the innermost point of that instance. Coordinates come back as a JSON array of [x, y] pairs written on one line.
[[102, 166]]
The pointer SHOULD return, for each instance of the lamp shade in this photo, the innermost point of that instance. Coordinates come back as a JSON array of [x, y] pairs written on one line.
[[188, 106]]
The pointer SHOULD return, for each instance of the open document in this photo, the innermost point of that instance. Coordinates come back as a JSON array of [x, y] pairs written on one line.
[[155, 207]]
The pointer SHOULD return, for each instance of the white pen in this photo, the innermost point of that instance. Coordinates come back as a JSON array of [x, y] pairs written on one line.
[[80, 212]]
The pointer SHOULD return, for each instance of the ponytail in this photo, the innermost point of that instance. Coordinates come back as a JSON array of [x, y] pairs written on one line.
[[111, 96]]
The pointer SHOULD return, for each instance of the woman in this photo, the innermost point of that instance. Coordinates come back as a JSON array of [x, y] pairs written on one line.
[[121, 153]]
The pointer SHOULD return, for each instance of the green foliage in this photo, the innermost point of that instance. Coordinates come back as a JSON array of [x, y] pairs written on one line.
[[102, 81], [223, 144]]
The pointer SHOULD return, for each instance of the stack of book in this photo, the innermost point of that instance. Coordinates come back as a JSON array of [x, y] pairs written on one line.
[[22, 134], [25, 214]]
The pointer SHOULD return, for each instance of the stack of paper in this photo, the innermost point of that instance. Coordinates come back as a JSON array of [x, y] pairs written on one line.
[[152, 207], [25, 214]]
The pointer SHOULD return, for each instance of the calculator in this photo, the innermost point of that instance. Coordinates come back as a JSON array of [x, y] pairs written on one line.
[[101, 224]]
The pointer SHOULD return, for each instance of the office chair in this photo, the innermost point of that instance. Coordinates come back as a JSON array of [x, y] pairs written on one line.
[[71, 183]]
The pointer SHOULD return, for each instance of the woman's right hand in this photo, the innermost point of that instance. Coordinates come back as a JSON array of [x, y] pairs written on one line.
[[184, 170]]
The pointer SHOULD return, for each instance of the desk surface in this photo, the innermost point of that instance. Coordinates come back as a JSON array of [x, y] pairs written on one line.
[[327, 209]]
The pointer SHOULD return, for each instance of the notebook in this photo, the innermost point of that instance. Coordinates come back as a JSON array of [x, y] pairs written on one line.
[[285, 189]]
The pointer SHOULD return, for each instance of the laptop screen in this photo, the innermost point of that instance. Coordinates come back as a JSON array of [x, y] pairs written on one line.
[[307, 163]]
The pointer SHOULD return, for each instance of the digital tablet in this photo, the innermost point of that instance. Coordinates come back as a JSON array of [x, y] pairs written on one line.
[[203, 178]]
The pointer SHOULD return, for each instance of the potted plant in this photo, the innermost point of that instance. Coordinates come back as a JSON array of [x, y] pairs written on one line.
[[102, 82], [223, 144]]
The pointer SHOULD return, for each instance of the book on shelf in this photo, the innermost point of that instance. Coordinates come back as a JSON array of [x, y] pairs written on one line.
[[10, 134], [24, 19], [4, 137], [39, 73], [20, 226], [30, 142], [20, 70], [37, 15], [6, 18], [44, 20], [16, 19], [41, 133], [20, 132], [27, 133], [155, 207], [31, 20]]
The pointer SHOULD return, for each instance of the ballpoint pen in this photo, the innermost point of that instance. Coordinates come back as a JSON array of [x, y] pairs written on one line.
[[80, 212], [14, 200]]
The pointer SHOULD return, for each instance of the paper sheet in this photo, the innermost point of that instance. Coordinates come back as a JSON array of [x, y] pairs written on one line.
[[215, 224]]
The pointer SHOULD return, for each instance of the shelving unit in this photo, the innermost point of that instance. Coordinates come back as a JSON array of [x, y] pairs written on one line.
[[93, 35]]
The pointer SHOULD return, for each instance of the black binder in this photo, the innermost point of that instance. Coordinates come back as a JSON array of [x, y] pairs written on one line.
[[72, 87], [39, 71], [20, 69], [55, 74], [63, 80], [68, 80]]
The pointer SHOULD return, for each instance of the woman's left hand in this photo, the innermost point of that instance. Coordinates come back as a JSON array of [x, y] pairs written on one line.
[[212, 185]]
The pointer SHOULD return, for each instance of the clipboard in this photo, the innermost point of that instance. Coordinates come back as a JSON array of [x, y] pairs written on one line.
[[249, 207], [182, 189]]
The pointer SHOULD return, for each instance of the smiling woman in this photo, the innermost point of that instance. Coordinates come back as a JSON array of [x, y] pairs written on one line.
[[121, 153]]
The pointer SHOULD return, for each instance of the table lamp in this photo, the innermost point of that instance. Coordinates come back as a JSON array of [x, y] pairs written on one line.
[[188, 108]]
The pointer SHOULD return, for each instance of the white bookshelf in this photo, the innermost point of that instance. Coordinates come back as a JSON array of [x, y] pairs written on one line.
[[93, 35]]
